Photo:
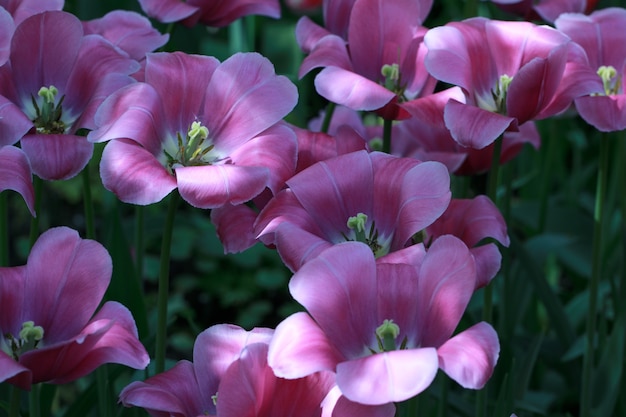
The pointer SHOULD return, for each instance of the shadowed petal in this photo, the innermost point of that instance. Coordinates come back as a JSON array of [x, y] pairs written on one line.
[[470, 357], [351, 90], [389, 376], [300, 348], [234, 226], [474, 127], [331, 50], [15, 175], [167, 11], [14, 373], [308, 246], [7, 26], [605, 113], [488, 260], [213, 186], [308, 33], [336, 405], [57, 157], [13, 122], [133, 174]]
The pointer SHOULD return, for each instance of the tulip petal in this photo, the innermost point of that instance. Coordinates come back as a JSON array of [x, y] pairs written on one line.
[[57, 157], [351, 90], [15, 175], [605, 113], [14, 373], [13, 122], [474, 127], [234, 226], [167, 11], [470, 357], [389, 376]]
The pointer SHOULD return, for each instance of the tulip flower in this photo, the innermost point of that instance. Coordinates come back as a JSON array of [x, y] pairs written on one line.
[[48, 330], [548, 10], [22, 9], [602, 37], [510, 72], [207, 128], [395, 327], [53, 82], [15, 174]]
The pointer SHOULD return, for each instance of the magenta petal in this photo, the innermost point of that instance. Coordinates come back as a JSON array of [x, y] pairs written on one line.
[[167, 11], [605, 113], [389, 376], [7, 26], [300, 348], [213, 186], [13, 122], [63, 268], [234, 226], [15, 175], [243, 85], [474, 127], [331, 50], [14, 373], [57, 157], [340, 406], [297, 246], [447, 279], [351, 90], [23, 9], [470, 357], [488, 260], [308, 33], [175, 392], [133, 174]]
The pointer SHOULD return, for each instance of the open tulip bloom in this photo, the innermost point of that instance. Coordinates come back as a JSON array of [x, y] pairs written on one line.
[[385, 329], [48, 330], [50, 87], [207, 128], [511, 72], [15, 174], [379, 65], [602, 37]]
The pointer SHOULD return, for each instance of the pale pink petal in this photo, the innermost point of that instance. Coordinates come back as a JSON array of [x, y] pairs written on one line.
[[470, 357], [300, 348], [212, 186], [242, 85], [7, 26], [389, 376], [331, 50], [167, 11], [296, 246], [57, 157], [552, 9], [134, 174], [488, 260], [14, 373], [308, 33], [447, 279], [351, 90], [175, 392], [337, 16], [15, 174], [22, 9], [61, 269], [234, 227], [605, 113], [474, 127]]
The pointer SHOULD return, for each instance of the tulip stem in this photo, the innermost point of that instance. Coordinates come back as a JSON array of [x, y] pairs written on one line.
[[163, 291], [90, 232], [35, 401], [4, 227], [596, 270], [387, 124], [328, 115], [14, 407], [139, 226]]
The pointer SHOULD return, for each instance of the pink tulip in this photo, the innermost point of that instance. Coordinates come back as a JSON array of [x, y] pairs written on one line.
[[15, 174], [48, 330], [22, 9]]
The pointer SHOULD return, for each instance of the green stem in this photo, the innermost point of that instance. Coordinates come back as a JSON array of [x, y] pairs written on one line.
[[596, 270], [330, 109], [442, 407], [88, 205], [14, 407], [34, 401], [139, 227], [103, 392], [4, 229], [387, 124], [34, 222], [546, 178], [237, 37], [164, 275]]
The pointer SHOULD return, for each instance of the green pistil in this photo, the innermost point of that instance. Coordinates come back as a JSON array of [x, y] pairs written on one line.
[[29, 338], [500, 92], [192, 150], [358, 224], [214, 399], [611, 81], [48, 119], [386, 335], [393, 79]]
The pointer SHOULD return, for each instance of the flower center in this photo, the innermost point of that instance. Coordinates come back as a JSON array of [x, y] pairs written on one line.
[[29, 338], [393, 80], [611, 81], [386, 335], [497, 102], [358, 224], [191, 151], [48, 112]]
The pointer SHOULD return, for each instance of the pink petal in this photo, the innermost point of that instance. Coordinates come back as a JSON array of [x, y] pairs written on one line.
[[57, 157], [13, 122], [134, 174], [25, 8], [15, 175], [12, 298], [470, 357], [300, 348], [488, 260], [336, 405], [175, 392], [297, 246], [605, 113], [387, 377], [308, 33], [7, 27], [14, 373], [234, 227], [61, 269], [213, 186], [167, 11], [329, 51], [447, 279], [341, 279], [551, 10], [351, 90], [245, 85], [110, 337], [316, 146], [474, 127], [222, 13]]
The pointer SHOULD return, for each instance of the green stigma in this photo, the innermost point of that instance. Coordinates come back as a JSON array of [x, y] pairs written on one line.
[[48, 115], [392, 79], [610, 79], [500, 92], [48, 94], [386, 334], [29, 337], [214, 399], [192, 150]]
